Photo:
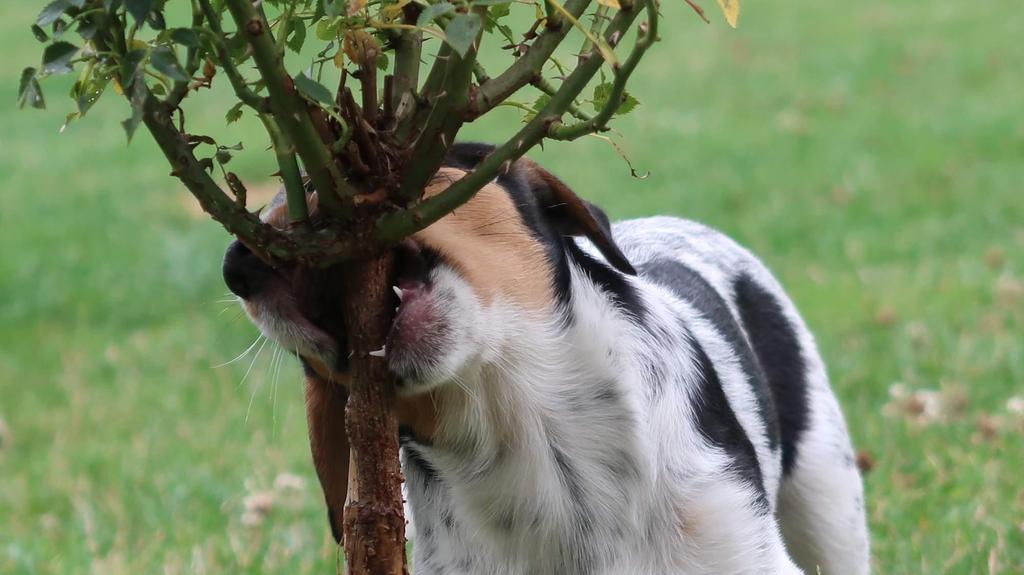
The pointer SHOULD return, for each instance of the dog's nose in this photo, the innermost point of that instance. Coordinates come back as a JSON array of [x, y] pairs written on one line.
[[244, 273]]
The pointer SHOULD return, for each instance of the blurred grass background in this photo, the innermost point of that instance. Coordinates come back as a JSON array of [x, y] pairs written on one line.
[[871, 152]]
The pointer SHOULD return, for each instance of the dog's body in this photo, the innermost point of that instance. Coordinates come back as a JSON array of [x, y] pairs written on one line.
[[562, 416]]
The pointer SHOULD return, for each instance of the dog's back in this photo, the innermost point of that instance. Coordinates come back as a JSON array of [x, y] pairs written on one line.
[[764, 399]]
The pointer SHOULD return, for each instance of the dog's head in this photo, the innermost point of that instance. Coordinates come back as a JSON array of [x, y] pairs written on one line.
[[503, 251]]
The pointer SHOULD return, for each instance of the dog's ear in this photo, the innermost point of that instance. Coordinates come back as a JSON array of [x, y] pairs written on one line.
[[325, 414], [573, 215]]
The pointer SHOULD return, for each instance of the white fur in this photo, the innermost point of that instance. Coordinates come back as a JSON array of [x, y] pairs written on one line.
[[534, 409]]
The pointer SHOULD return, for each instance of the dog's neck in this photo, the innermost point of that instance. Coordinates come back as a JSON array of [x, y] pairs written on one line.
[[535, 443]]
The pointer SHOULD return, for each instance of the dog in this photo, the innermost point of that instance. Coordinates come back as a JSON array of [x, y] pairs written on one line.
[[582, 398]]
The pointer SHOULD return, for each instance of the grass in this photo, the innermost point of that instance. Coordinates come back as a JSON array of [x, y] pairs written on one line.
[[871, 152]]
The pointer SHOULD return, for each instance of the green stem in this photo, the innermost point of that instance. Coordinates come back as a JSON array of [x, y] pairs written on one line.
[[542, 84], [295, 191], [181, 87], [527, 67], [407, 70], [397, 225], [290, 111], [238, 83], [445, 118], [645, 39]]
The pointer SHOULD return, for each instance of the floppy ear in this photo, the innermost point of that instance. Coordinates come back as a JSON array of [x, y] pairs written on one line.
[[325, 414], [574, 215]]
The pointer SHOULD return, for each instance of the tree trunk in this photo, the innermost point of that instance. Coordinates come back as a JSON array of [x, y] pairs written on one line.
[[374, 520]]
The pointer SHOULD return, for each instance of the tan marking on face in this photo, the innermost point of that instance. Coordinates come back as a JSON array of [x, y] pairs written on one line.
[[487, 241], [278, 216], [418, 412]]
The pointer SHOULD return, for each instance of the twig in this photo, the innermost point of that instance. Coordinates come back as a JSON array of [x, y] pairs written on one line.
[[645, 38], [542, 84], [295, 191], [181, 87], [290, 111], [446, 116], [395, 226], [527, 67]]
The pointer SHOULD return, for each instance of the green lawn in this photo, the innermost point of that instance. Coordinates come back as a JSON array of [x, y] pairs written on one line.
[[871, 152]]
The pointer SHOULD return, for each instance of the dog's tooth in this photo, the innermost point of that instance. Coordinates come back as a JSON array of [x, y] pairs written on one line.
[[398, 292], [379, 352]]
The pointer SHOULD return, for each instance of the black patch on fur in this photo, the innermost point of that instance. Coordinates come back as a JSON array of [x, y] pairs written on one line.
[[568, 475], [414, 458], [718, 424], [689, 285], [614, 283], [777, 347]]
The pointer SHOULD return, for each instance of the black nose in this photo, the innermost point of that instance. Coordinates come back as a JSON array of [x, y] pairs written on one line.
[[244, 273]]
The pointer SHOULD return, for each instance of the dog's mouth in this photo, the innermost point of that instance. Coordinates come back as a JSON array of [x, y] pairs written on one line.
[[419, 321], [303, 314]]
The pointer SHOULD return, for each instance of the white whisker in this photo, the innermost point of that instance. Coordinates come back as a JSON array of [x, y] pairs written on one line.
[[253, 362], [241, 355]]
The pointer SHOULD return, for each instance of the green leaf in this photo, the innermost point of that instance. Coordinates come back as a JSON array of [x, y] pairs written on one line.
[[39, 33], [57, 58], [139, 9], [166, 62], [297, 35], [314, 90], [52, 12], [334, 7], [156, 20], [223, 156], [627, 105], [462, 31], [326, 29], [90, 87], [540, 102], [234, 113], [58, 28], [433, 11], [499, 11], [71, 117], [138, 101], [29, 91], [87, 28], [383, 62], [184, 36], [604, 91], [130, 65]]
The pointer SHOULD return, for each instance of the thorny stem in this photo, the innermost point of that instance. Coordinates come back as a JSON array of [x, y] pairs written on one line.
[[295, 191], [645, 38], [181, 87], [527, 67], [542, 84], [444, 119], [393, 227], [291, 113]]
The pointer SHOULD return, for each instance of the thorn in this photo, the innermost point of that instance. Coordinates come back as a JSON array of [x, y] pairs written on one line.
[[379, 352], [398, 292]]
